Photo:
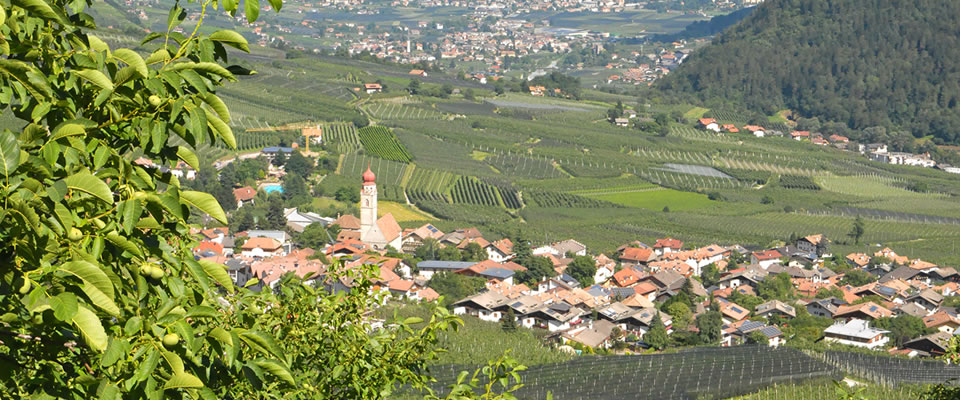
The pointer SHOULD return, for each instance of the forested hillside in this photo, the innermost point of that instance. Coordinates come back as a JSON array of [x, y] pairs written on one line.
[[892, 63]]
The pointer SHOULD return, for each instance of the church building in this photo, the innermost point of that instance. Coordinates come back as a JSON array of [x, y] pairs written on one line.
[[377, 233]]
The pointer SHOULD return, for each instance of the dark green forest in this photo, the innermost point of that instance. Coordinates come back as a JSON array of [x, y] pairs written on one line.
[[865, 63]]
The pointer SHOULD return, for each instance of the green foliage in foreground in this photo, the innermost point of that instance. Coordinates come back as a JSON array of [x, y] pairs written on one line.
[[100, 296]]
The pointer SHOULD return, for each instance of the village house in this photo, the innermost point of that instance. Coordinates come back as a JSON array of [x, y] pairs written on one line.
[[595, 335], [777, 308], [488, 306], [755, 130], [863, 311], [709, 124], [244, 195], [765, 258], [750, 276], [636, 256], [426, 269], [856, 332], [927, 299], [262, 247], [500, 250], [562, 249], [297, 221], [732, 312], [943, 322], [668, 245], [809, 243], [413, 238], [605, 269], [372, 88], [932, 345], [826, 307], [739, 332]]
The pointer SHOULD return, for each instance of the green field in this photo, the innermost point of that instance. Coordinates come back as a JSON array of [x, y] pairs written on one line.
[[654, 199]]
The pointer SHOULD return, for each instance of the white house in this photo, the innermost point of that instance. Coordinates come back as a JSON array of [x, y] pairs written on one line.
[[488, 306], [765, 258], [856, 332], [710, 124], [262, 247]]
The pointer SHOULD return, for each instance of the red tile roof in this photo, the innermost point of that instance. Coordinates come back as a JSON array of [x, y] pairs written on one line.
[[244, 194], [767, 255], [668, 242], [636, 254]]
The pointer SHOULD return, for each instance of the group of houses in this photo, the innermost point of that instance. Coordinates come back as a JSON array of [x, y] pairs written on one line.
[[874, 151], [626, 288], [629, 286]]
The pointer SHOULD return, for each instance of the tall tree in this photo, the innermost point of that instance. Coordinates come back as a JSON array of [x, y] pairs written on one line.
[[537, 269], [657, 336], [473, 252], [709, 324], [858, 230], [299, 165], [776, 287], [428, 249], [295, 190], [583, 269], [509, 323]]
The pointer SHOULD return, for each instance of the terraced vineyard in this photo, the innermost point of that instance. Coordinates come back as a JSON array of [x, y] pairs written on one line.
[[470, 190], [562, 200], [700, 135], [870, 186], [256, 140], [524, 167], [386, 111], [381, 142], [343, 136], [798, 182], [388, 172]]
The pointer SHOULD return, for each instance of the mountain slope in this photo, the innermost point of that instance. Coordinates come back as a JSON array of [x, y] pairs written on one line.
[[893, 63]]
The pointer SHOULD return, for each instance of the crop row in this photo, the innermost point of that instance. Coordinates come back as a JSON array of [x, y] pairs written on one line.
[[667, 155], [549, 199], [762, 166], [469, 190], [381, 142], [467, 213], [342, 135], [381, 110], [387, 172], [524, 167], [798, 182]]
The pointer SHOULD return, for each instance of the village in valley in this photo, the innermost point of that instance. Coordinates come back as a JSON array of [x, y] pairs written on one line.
[[642, 296]]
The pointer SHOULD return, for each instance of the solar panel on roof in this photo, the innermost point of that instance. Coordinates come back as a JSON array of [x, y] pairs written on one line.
[[735, 309], [873, 308]]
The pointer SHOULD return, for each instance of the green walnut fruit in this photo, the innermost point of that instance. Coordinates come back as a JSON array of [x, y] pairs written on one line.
[[145, 269], [156, 273], [170, 340], [74, 235], [37, 319], [25, 288], [154, 100]]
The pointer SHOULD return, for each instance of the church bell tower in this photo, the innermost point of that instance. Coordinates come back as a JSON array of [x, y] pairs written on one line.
[[368, 203]]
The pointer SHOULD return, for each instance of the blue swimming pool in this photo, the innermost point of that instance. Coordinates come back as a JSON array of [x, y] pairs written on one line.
[[272, 188]]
